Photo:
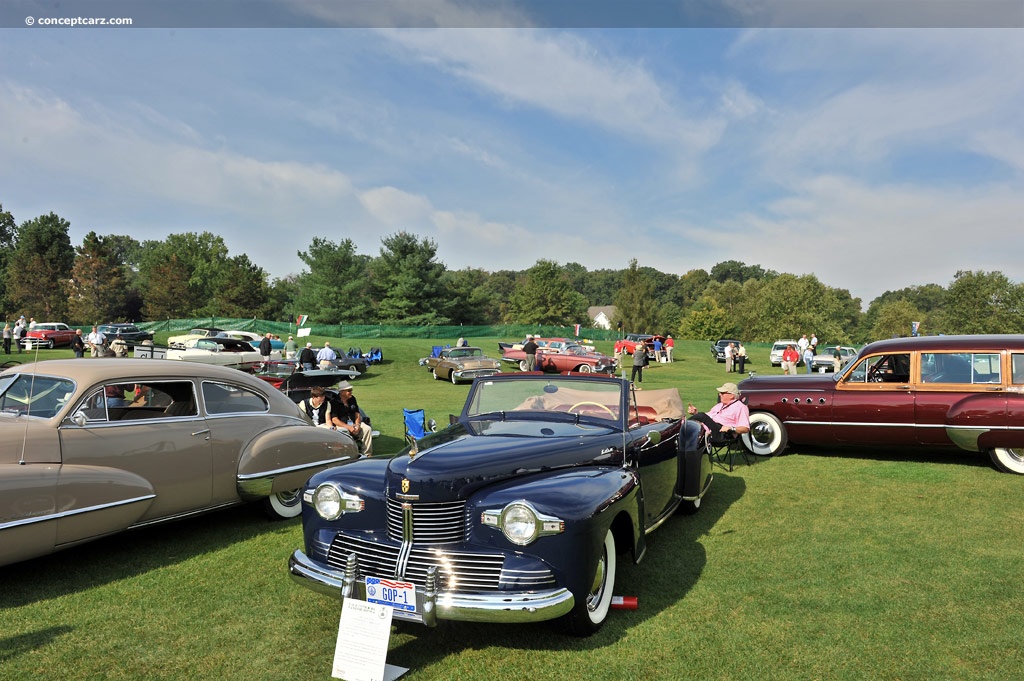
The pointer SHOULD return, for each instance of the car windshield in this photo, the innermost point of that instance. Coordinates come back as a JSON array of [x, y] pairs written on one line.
[[456, 353], [31, 395], [561, 395]]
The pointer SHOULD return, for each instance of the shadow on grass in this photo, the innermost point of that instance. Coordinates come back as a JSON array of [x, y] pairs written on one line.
[[674, 562], [930, 455], [129, 553], [14, 646]]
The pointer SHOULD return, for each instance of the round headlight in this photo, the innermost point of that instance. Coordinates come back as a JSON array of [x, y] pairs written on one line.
[[327, 501], [519, 523]]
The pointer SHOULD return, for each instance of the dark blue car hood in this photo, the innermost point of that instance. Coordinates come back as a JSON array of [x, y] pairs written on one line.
[[454, 463]]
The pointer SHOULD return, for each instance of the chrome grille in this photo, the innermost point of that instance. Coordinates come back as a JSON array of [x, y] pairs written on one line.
[[439, 523], [463, 571]]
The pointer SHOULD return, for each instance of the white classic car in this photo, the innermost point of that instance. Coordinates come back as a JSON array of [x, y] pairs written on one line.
[[223, 351], [200, 332]]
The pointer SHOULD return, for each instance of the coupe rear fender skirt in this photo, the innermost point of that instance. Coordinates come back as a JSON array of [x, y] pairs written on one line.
[[284, 458], [67, 504]]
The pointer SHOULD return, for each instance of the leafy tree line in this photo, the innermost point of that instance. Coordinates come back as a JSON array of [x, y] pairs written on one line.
[[115, 277]]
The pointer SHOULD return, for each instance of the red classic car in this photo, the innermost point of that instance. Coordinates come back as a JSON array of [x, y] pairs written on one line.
[[48, 335], [937, 391], [627, 345], [562, 354]]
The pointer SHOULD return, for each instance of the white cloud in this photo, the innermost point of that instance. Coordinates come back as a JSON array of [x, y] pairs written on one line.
[[566, 76]]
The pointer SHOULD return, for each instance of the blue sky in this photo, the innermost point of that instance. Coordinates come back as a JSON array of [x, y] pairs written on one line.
[[873, 158]]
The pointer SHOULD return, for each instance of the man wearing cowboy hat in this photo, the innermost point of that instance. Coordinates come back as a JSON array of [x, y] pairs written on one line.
[[730, 416], [346, 416]]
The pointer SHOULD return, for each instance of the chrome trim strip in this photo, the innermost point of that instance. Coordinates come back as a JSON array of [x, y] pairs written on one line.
[[77, 511], [186, 514], [503, 607], [290, 469]]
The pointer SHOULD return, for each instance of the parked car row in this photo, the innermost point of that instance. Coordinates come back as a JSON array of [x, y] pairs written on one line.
[[561, 354]]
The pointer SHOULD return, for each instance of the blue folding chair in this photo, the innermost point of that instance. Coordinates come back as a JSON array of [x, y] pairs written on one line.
[[375, 356], [435, 351], [416, 425]]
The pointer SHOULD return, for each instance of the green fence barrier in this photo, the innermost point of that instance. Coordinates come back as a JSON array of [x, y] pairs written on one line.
[[511, 331]]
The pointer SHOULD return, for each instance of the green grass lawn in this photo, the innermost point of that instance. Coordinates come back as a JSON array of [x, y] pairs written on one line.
[[869, 564]]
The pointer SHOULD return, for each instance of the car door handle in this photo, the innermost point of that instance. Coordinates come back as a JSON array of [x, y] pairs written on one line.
[[205, 431]]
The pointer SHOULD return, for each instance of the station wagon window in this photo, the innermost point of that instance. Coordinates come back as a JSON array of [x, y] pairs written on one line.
[[222, 398], [881, 369], [1017, 364], [960, 367]]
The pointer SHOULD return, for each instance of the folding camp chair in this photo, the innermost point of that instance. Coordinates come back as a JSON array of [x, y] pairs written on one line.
[[435, 351], [374, 356], [416, 427], [725, 447]]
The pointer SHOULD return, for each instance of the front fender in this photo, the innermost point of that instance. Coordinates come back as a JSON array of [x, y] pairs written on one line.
[[589, 501]]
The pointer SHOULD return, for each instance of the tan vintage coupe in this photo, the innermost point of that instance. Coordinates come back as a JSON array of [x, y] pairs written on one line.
[[90, 447]]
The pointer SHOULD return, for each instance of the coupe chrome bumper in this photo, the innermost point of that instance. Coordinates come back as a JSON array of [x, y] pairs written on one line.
[[432, 605]]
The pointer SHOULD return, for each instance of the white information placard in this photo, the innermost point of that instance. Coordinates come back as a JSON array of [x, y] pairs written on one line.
[[303, 332], [361, 651]]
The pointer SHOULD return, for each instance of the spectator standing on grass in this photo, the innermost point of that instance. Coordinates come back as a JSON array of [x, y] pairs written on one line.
[[802, 344], [78, 344], [325, 358], [307, 357], [809, 358], [289, 348], [814, 342], [837, 358], [670, 345], [789, 359], [17, 332], [96, 340], [741, 358], [530, 348], [639, 362], [266, 347], [730, 353], [7, 339]]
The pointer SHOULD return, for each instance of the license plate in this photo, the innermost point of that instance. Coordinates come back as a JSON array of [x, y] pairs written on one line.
[[399, 595]]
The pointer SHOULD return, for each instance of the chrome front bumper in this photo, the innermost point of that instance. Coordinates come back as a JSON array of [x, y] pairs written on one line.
[[432, 605], [470, 374]]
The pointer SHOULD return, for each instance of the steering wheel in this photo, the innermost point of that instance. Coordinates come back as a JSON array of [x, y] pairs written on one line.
[[593, 404]]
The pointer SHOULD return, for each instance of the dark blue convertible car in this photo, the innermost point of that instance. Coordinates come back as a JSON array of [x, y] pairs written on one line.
[[515, 512]]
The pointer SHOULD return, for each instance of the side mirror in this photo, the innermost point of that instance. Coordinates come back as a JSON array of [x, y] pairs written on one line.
[[79, 419]]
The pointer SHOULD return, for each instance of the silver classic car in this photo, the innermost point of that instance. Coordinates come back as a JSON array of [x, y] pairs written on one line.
[[93, 447]]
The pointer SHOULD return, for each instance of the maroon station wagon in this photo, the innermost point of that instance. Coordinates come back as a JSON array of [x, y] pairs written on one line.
[[935, 391]]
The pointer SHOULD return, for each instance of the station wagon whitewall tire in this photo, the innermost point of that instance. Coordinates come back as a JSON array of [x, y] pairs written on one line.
[[767, 436], [284, 505], [1008, 460], [523, 366]]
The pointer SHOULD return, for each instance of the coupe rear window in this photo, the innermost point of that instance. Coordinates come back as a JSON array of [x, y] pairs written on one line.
[[222, 398]]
